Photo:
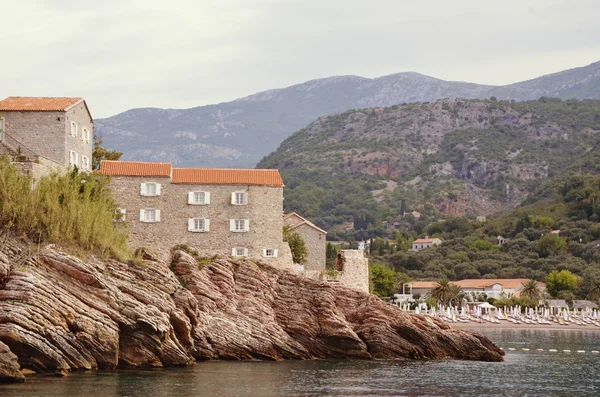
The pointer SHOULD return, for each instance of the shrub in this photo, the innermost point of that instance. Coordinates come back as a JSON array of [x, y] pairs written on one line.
[[74, 209]]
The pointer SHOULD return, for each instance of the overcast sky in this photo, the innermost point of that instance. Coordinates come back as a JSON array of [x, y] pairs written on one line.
[[121, 54]]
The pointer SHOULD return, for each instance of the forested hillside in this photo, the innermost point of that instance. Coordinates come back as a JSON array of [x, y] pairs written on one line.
[[362, 168], [568, 205]]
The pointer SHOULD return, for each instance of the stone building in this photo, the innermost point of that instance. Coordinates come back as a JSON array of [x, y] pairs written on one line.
[[314, 238], [353, 270], [44, 134], [228, 212]]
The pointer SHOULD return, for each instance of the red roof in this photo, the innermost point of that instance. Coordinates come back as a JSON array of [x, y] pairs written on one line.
[[425, 240], [38, 104], [510, 283], [227, 176], [134, 168]]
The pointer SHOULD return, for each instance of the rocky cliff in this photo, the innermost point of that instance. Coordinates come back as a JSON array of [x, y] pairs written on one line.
[[58, 314], [239, 133]]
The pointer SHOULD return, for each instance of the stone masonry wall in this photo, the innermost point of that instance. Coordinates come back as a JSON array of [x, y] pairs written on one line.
[[39, 168], [42, 132], [264, 211], [315, 244], [48, 134], [355, 271], [79, 115]]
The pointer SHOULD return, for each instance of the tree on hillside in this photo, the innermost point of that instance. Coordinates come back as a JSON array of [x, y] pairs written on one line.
[[551, 244], [531, 291], [297, 245], [383, 280], [561, 283], [100, 153], [594, 293]]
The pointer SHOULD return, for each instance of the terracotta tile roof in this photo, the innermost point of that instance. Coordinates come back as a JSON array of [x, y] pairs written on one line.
[[38, 104], [425, 240], [424, 284], [227, 176], [512, 283], [134, 168]]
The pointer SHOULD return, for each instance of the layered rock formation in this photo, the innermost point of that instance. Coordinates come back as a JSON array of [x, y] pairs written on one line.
[[58, 313]]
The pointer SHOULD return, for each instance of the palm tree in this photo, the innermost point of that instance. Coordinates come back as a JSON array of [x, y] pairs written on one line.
[[531, 290], [595, 291], [443, 292]]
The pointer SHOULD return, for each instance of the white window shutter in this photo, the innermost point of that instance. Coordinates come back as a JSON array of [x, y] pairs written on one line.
[[275, 253], [247, 225], [245, 197], [190, 225], [206, 197], [143, 189], [190, 197], [232, 225], [233, 198], [207, 225], [142, 213], [233, 252], [157, 212], [264, 252], [158, 189], [245, 251]]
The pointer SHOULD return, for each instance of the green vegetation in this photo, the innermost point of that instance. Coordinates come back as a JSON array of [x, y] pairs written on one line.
[[100, 153], [297, 245], [338, 170], [74, 210], [446, 293]]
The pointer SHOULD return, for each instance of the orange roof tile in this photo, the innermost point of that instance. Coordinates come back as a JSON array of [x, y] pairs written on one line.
[[425, 240], [134, 168], [226, 176], [38, 104], [424, 284], [482, 283]]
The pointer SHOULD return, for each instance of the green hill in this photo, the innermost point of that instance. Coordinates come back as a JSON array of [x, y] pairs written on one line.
[[361, 168]]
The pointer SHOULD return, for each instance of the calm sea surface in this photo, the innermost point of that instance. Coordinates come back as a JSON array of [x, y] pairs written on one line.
[[524, 373]]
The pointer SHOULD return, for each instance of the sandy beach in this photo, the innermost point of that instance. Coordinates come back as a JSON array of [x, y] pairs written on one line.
[[507, 325]]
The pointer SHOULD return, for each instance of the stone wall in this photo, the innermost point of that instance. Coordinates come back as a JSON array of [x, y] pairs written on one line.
[[316, 246], [263, 210], [354, 269], [48, 134], [39, 168], [78, 144]]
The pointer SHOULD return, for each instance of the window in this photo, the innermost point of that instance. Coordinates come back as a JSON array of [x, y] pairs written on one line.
[[72, 158], [239, 251], [85, 135], [121, 214], [239, 225], [269, 253], [1, 129], [150, 189], [85, 163], [73, 128], [198, 225], [150, 215], [198, 198], [239, 198]]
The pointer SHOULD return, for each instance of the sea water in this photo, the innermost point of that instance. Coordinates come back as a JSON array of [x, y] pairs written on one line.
[[529, 369]]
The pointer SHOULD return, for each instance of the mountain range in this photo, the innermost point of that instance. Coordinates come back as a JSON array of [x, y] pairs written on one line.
[[241, 132]]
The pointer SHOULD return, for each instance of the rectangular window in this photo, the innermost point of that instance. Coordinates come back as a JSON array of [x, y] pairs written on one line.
[[198, 225], [73, 158], [198, 198], [150, 215], [239, 225], [239, 251], [85, 135], [85, 163], [150, 189], [73, 128], [239, 198], [1, 129], [270, 253], [121, 214]]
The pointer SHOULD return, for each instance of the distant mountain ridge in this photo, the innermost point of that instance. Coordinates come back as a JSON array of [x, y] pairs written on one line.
[[239, 133]]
